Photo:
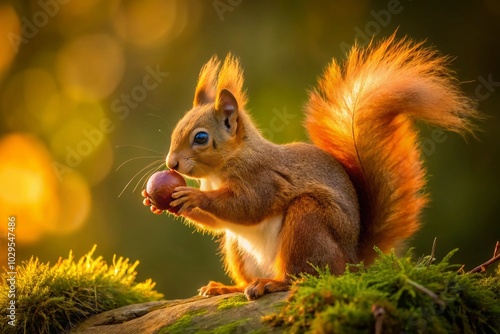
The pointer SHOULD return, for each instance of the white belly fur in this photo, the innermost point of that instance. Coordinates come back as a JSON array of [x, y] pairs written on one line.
[[260, 242]]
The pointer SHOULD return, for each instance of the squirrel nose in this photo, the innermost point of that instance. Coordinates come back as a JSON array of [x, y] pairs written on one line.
[[171, 162]]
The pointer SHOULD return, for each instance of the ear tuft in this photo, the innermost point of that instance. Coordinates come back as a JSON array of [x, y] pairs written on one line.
[[206, 87], [231, 78]]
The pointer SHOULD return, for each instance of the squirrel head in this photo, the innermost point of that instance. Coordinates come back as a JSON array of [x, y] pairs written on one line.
[[216, 126]]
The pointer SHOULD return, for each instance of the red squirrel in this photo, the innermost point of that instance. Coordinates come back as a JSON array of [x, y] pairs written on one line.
[[282, 210]]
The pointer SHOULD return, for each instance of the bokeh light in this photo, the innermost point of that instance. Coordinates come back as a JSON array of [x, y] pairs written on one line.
[[83, 145], [31, 191], [41, 96], [91, 67], [29, 187], [10, 28], [150, 22], [75, 204]]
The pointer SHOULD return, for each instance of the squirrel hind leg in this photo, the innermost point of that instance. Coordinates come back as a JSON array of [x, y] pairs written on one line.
[[314, 236], [307, 241], [235, 267]]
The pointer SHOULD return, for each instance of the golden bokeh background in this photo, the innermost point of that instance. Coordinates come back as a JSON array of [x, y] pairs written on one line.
[[90, 91]]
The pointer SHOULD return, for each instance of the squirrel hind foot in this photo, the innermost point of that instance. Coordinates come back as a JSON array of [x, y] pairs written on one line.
[[262, 286], [216, 288]]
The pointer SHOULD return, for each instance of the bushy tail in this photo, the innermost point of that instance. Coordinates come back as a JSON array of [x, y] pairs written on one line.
[[363, 113]]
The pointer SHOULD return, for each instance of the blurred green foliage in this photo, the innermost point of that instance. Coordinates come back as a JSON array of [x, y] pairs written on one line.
[[86, 85]]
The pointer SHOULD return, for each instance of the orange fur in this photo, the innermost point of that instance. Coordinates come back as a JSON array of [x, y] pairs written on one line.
[[206, 87], [363, 113], [231, 78], [213, 78]]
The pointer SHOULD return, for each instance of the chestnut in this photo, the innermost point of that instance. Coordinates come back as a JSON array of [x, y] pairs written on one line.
[[160, 187]]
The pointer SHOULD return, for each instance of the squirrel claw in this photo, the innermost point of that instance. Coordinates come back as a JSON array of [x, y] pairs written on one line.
[[263, 286], [155, 210], [147, 202]]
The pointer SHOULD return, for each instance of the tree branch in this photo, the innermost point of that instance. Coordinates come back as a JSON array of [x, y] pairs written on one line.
[[496, 257], [431, 258], [427, 291]]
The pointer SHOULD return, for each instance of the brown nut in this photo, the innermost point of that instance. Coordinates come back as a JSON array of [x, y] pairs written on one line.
[[160, 187]]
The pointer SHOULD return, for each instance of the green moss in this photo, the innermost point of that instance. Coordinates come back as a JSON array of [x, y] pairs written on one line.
[[179, 326], [235, 301], [183, 323], [258, 331], [230, 328], [415, 296], [50, 299]]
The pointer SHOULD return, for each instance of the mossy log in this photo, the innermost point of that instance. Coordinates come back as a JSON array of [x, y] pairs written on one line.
[[230, 313]]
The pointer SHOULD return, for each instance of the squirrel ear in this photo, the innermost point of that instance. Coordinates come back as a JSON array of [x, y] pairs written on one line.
[[201, 97], [227, 106]]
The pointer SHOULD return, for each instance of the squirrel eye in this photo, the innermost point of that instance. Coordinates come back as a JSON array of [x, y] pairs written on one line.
[[201, 138]]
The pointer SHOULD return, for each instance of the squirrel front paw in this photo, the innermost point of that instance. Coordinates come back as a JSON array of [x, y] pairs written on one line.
[[147, 202], [188, 198]]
